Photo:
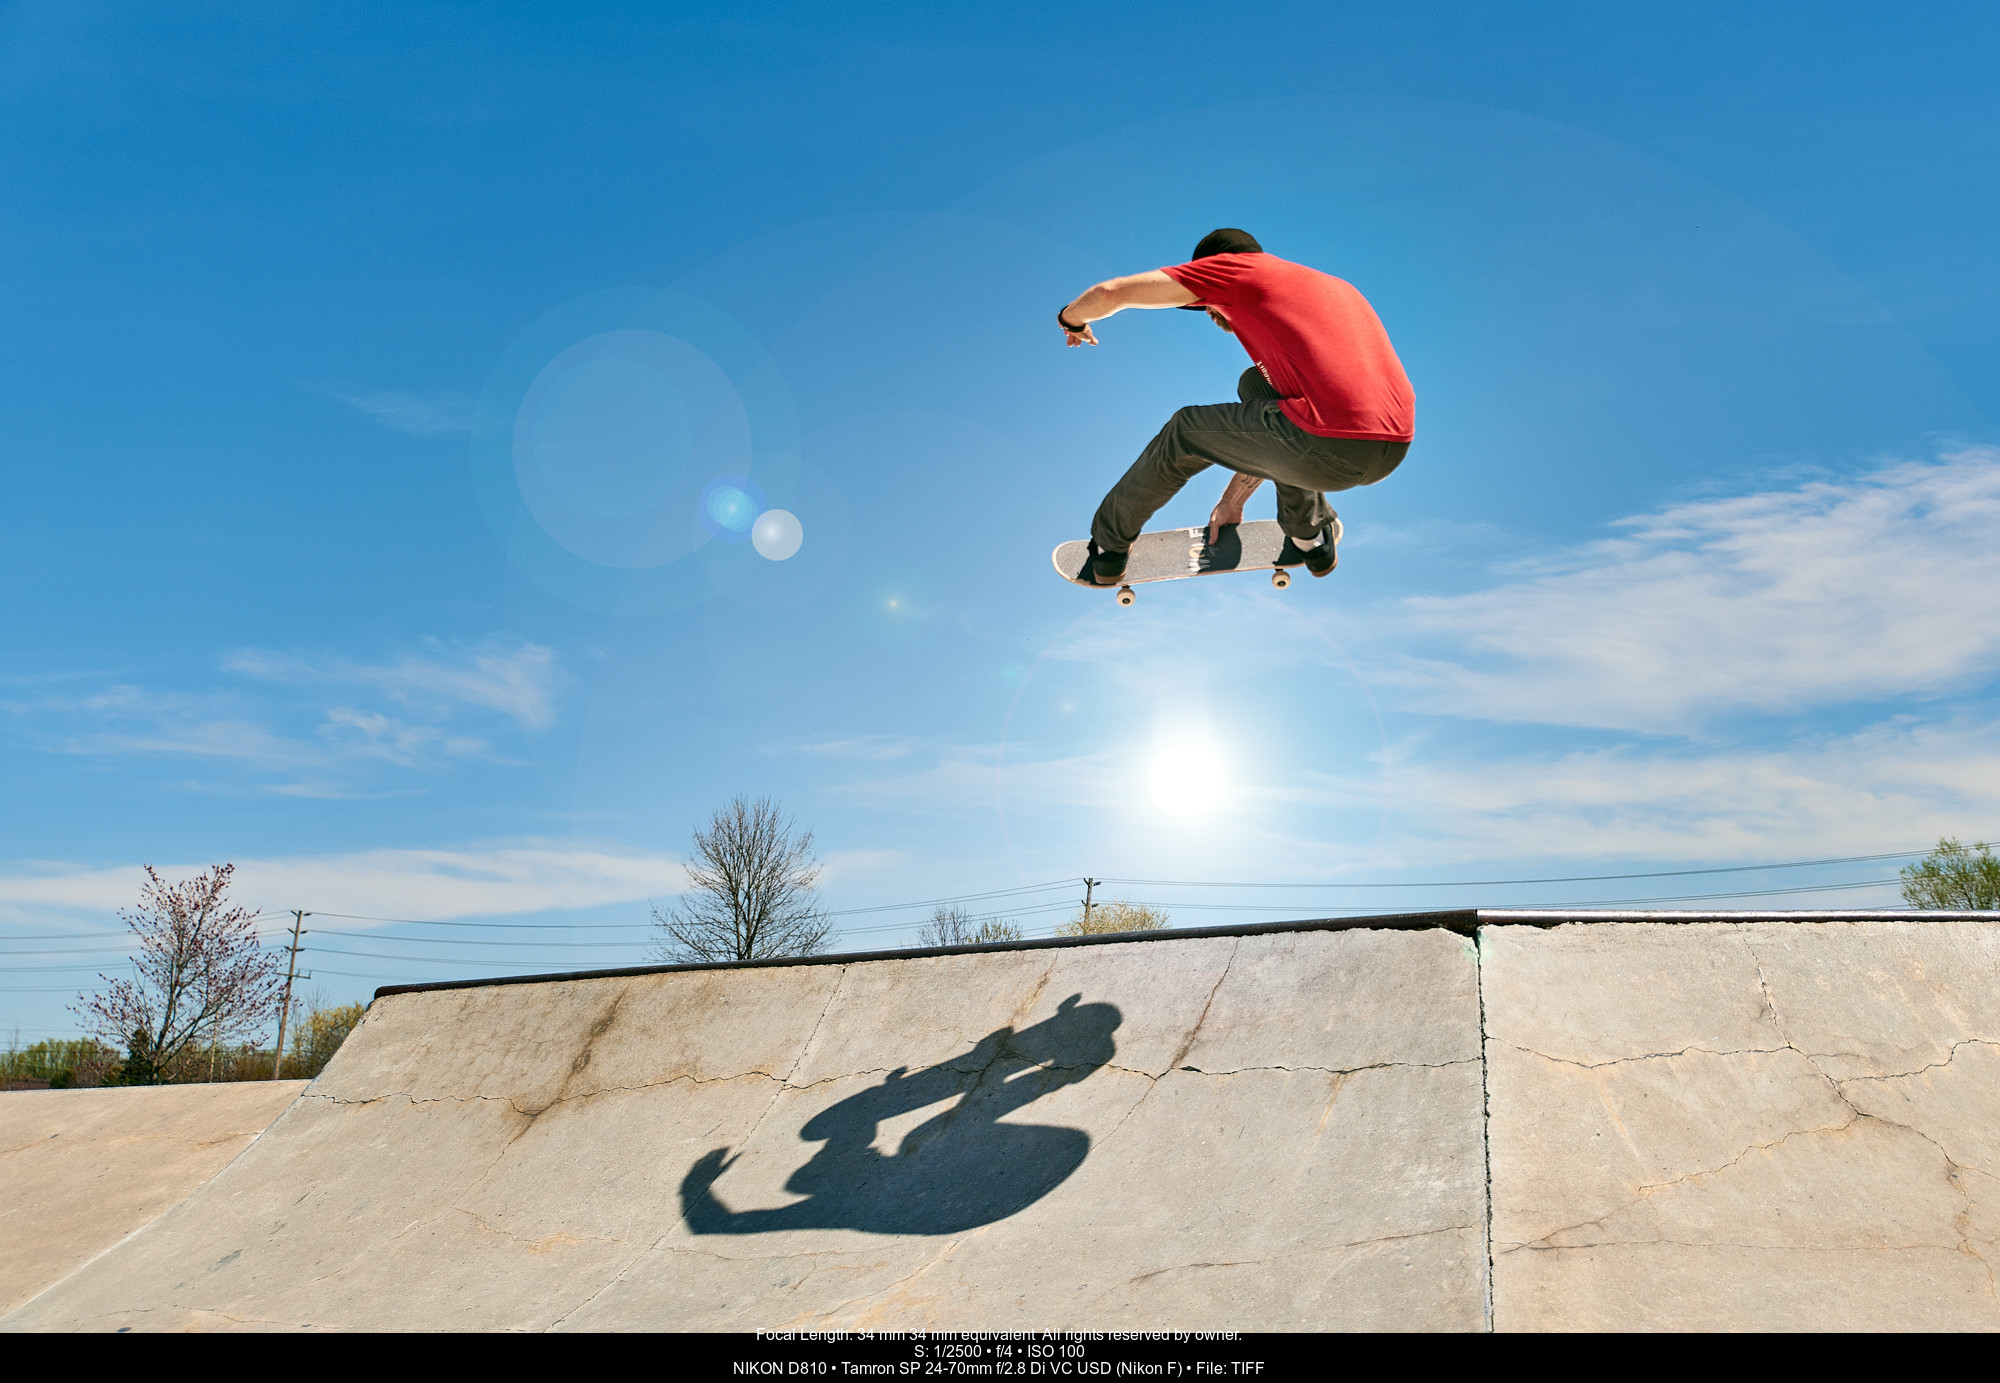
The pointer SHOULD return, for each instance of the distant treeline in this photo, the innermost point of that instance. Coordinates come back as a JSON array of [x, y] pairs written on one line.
[[314, 1039]]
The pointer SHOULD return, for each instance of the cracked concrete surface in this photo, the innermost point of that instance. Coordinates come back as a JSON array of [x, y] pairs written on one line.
[[1213, 1133], [1703, 1125], [1744, 1126]]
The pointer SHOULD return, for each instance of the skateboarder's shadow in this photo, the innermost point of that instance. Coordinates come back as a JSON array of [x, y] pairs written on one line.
[[958, 1169]]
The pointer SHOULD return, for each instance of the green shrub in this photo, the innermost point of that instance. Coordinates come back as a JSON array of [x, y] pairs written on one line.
[[1952, 876], [61, 1065]]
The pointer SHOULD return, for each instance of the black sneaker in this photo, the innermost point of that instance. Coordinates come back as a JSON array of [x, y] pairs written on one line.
[[1324, 558], [1107, 568], [1319, 560]]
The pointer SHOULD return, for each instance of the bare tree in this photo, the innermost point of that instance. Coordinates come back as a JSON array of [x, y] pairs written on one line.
[[952, 925], [202, 976], [752, 895], [1952, 876], [1118, 915]]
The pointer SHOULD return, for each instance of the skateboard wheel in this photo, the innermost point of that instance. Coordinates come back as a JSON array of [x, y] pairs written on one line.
[[1125, 596], [1281, 578]]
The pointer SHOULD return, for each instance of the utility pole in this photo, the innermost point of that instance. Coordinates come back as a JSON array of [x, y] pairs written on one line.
[[291, 973], [1089, 885]]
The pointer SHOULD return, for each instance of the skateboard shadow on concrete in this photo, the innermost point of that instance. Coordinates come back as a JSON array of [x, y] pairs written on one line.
[[957, 1170]]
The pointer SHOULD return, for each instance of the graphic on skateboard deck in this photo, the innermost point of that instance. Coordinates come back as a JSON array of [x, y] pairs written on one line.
[[1173, 553]]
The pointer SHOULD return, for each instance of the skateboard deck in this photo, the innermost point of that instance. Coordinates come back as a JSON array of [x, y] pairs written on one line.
[[1173, 553]]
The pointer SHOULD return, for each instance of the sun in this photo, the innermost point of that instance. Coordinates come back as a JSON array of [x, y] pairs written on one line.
[[1186, 778]]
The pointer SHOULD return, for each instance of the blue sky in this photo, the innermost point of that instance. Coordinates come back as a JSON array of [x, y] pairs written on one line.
[[363, 372]]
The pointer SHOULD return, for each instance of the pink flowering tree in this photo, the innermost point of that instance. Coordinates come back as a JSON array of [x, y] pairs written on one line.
[[202, 976]]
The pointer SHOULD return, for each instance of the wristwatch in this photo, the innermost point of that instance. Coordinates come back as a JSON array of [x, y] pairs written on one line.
[[1073, 331]]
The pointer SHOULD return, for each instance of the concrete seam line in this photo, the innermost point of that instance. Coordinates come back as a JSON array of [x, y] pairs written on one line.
[[1485, 1120]]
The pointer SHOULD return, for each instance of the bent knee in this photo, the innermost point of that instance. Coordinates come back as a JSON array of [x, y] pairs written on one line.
[[1176, 427]]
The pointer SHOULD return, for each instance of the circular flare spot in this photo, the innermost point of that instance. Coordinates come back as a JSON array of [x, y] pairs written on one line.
[[777, 534]]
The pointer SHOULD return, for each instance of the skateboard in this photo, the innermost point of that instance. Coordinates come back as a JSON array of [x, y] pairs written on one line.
[[1172, 553]]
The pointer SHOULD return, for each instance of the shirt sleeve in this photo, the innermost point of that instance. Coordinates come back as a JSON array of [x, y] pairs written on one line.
[[1213, 281]]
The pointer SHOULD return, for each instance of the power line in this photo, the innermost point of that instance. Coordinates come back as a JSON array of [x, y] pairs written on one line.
[[464, 941], [1060, 883], [1011, 913], [1715, 897], [961, 898], [65, 936], [443, 922], [1205, 907], [439, 960], [1167, 904], [1022, 893], [842, 912], [1187, 906], [95, 936], [1500, 883]]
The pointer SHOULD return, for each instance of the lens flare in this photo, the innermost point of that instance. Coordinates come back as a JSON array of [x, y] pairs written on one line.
[[777, 534], [731, 508], [729, 505]]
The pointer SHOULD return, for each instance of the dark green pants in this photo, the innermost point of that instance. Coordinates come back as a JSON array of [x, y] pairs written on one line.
[[1253, 437]]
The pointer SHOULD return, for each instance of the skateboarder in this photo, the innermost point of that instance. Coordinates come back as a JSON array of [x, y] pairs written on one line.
[[1325, 407]]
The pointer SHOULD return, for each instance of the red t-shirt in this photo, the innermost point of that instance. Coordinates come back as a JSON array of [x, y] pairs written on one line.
[[1316, 339]]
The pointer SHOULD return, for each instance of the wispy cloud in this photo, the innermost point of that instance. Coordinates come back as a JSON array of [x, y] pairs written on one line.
[[379, 736], [869, 747], [128, 721], [133, 720], [1899, 784], [512, 676], [844, 865], [319, 742], [425, 415], [1833, 591], [484, 880]]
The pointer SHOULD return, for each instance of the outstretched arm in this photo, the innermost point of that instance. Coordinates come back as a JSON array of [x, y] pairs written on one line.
[[1094, 304]]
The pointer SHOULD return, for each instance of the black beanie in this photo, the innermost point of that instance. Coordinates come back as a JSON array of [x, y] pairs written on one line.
[[1227, 242]]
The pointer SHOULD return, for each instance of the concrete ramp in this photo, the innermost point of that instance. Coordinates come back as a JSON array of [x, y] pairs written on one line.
[[1781, 1125], [80, 1170], [1784, 1121], [1275, 1131]]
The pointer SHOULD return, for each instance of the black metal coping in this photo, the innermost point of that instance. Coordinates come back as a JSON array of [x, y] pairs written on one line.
[[1464, 921]]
